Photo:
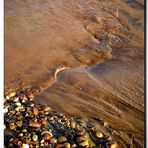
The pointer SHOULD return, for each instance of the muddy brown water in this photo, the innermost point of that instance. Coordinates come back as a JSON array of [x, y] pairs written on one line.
[[100, 44]]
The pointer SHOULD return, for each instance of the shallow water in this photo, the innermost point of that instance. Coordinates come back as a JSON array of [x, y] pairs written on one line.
[[96, 49]]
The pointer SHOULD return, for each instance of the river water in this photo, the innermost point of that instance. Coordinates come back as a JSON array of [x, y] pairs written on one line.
[[85, 56]]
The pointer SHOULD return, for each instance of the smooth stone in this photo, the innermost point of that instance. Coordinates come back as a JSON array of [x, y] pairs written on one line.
[[15, 99], [35, 111], [23, 130], [19, 123], [20, 134], [12, 94], [47, 132], [74, 145], [99, 134], [47, 109], [18, 108], [106, 124], [10, 145], [25, 145], [62, 139], [43, 121], [34, 124], [115, 145], [84, 143], [12, 126], [80, 139], [46, 136], [66, 145], [51, 118], [53, 140], [7, 97], [35, 137], [18, 104], [73, 124]]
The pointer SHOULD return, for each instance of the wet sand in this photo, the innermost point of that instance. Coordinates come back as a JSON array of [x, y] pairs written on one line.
[[95, 47]]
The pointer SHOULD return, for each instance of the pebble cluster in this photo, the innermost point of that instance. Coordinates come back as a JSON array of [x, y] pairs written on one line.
[[28, 125]]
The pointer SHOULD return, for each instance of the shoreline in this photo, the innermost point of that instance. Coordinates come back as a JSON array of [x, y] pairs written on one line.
[[29, 125]]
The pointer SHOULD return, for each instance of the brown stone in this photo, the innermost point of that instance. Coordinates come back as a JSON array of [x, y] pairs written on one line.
[[35, 111], [46, 136], [34, 124]]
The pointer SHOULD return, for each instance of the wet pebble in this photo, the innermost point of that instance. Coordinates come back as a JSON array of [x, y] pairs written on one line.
[[62, 139], [84, 143], [35, 111], [12, 94], [99, 134], [46, 136], [25, 145], [53, 140], [114, 145], [35, 137], [73, 124], [66, 145], [15, 99], [34, 124]]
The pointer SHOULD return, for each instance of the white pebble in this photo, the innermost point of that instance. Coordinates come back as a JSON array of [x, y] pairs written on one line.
[[25, 145], [18, 104]]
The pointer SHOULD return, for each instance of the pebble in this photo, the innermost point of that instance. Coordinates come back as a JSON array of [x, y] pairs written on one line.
[[12, 94], [18, 104], [114, 145], [51, 118], [43, 121], [7, 97], [74, 145], [19, 123], [21, 135], [11, 145], [62, 139], [73, 124], [46, 136], [12, 126], [35, 111], [25, 145], [34, 124], [23, 130], [35, 137], [99, 134], [30, 95], [47, 132], [84, 143], [47, 109], [15, 99], [66, 145], [53, 140], [80, 139]]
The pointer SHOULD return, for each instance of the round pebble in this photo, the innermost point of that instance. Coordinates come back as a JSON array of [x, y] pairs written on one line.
[[34, 124], [46, 136], [35, 137], [114, 145], [66, 145], [16, 99], [99, 134], [35, 111], [53, 140], [84, 143], [62, 139]]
